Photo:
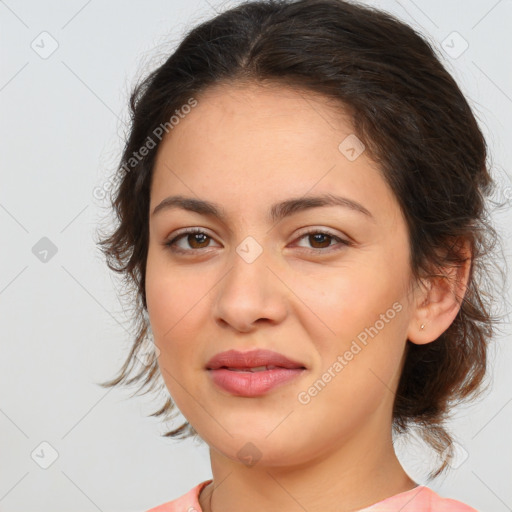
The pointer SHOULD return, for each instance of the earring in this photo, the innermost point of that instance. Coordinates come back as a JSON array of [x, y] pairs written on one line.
[[422, 326]]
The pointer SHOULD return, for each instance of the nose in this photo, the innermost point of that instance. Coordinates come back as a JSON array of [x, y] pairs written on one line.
[[251, 293]]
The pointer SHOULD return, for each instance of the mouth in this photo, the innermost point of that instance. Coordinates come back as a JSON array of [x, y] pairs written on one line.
[[257, 368], [254, 373], [253, 382], [253, 361]]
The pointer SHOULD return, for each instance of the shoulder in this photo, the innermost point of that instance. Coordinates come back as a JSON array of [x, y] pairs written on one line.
[[420, 498], [188, 502], [440, 504]]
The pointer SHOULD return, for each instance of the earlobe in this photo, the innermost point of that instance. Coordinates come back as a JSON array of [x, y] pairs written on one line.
[[438, 301]]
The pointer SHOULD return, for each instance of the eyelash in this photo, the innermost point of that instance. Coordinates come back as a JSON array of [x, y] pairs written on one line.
[[170, 244]]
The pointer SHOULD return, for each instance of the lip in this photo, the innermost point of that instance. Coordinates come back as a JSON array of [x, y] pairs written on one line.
[[251, 359], [248, 383]]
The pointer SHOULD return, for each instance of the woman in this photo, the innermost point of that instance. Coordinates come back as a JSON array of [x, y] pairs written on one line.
[[301, 206]]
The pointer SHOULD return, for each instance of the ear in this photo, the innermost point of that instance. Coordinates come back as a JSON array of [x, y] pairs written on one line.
[[438, 299]]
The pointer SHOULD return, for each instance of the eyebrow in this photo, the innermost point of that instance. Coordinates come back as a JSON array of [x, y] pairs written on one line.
[[277, 212]]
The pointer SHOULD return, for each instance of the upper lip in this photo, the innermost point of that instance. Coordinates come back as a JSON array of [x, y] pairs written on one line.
[[251, 359]]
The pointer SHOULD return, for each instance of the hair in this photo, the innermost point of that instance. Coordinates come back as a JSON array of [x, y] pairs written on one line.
[[415, 123]]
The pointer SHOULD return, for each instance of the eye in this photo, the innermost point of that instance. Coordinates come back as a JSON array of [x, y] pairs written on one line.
[[196, 238], [323, 239]]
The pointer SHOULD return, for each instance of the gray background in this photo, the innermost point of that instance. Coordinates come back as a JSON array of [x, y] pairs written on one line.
[[63, 118]]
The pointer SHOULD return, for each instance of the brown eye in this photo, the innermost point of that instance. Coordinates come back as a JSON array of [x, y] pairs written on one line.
[[320, 240], [195, 239]]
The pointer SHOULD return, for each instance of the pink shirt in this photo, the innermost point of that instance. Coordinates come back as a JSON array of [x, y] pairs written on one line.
[[419, 499]]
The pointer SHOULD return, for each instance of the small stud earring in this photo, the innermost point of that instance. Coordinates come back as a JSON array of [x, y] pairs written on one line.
[[422, 326]]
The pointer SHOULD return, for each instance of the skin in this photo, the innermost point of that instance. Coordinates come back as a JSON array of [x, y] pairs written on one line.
[[245, 147]]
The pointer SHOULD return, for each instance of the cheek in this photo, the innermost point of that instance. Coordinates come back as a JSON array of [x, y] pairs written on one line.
[[174, 295], [360, 316], [359, 364], [176, 301], [343, 301]]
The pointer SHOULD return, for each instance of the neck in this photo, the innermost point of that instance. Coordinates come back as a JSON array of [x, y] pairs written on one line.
[[345, 479]]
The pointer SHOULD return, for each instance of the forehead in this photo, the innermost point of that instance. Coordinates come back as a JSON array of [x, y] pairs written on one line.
[[250, 119], [268, 108], [245, 143]]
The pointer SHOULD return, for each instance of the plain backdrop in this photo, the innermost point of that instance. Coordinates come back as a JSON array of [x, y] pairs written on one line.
[[66, 71]]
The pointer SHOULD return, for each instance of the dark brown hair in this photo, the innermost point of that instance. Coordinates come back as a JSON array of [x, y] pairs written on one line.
[[416, 124]]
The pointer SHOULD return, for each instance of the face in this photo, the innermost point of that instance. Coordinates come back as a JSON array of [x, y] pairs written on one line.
[[327, 286]]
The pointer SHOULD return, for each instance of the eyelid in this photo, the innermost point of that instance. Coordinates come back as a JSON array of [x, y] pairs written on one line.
[[189, 231], [320, 229]]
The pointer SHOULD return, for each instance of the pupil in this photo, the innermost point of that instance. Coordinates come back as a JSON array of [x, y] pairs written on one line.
[[316, 236], [199, 235]]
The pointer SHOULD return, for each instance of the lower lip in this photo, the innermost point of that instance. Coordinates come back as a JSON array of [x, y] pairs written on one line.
[[253, 383]]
